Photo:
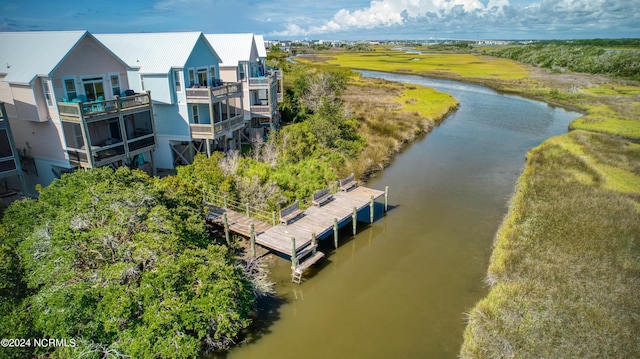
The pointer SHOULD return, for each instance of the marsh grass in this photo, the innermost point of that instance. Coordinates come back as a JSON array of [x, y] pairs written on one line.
[[586, 93], [391, 115], [565, 271], [463, 65]]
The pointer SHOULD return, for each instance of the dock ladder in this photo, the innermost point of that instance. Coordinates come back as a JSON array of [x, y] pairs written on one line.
[[299, 267]]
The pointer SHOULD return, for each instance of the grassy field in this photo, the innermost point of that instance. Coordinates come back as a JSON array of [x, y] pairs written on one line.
[[391, 115], [451, 65], [566, 263], [565, 268]]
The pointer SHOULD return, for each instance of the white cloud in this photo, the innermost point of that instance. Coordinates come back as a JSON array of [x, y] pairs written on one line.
[[385, 13]]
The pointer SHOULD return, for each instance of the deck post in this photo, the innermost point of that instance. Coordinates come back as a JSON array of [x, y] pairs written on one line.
[[226, 228], [225, 202], [273, 217], [253, 241], [335, 232], [386, 198], [371, 213], [313, 242], [248, 210], [293, 252], [354, 220]]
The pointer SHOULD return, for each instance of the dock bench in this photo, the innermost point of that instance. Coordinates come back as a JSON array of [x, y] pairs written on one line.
[[290, 213], [348, 183], [320, 197]]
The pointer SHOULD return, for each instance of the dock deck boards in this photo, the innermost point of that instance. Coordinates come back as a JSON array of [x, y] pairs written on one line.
[[318, 220]]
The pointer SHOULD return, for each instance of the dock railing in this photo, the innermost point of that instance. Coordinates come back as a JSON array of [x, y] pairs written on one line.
[[223, 201]]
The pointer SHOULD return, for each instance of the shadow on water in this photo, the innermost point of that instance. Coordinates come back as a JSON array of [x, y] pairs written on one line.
[[266, 313]]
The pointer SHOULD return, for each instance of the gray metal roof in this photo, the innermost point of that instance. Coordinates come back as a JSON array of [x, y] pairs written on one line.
[[27, 55], [232, 48], [262, 49], [153, 53]]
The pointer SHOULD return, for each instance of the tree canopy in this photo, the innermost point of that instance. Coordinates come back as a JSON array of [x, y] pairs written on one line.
[[122, 263]]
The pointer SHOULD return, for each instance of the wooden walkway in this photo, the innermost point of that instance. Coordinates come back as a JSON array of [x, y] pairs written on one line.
[[314, 220]]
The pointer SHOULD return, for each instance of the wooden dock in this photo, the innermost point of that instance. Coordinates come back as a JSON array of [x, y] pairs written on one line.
[[314, 223]]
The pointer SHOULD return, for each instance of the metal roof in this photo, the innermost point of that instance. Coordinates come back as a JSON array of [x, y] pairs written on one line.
[[153, 53], [262, 49], [27, 55], [232, 48]]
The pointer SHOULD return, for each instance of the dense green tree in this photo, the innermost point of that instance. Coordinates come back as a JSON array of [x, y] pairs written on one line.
[[578, 56], [122, 263]]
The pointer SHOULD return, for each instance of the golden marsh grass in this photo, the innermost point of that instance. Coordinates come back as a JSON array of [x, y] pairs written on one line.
[[564, 270]]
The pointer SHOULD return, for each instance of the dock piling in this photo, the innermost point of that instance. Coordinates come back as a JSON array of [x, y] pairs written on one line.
[[253, 240], [293, 253], [226, 229], [354, 220], [386, 198], [335, 232], [371, 213], [313, 242]]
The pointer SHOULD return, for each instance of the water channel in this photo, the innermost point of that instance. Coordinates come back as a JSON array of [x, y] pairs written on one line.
[[400, 288]]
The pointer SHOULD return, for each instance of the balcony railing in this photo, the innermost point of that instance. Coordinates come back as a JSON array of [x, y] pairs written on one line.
[[263, 82], [104, 155], [206, 94], [75, 111], [219, 129]]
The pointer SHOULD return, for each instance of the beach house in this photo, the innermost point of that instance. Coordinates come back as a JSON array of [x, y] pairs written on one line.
[[194, 109], [69, 105]]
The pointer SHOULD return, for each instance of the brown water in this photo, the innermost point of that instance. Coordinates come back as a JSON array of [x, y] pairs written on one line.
[[400, 288]]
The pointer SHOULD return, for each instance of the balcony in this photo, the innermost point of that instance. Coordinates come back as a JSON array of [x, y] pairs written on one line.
[[277, 73], [8, 163], [103, 132], [211, 94], [262, 82], [77, 111], [216, 130], [105, 154]]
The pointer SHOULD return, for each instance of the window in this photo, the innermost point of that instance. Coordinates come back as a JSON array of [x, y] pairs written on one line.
[[47, 92], [115, 84], [192, 77], [194, 113], [176, 79], [202, 76], [241, 72], [70, 89], [93, 89]]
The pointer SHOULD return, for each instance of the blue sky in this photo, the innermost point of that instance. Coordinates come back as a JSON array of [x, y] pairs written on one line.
[[332, 19]]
